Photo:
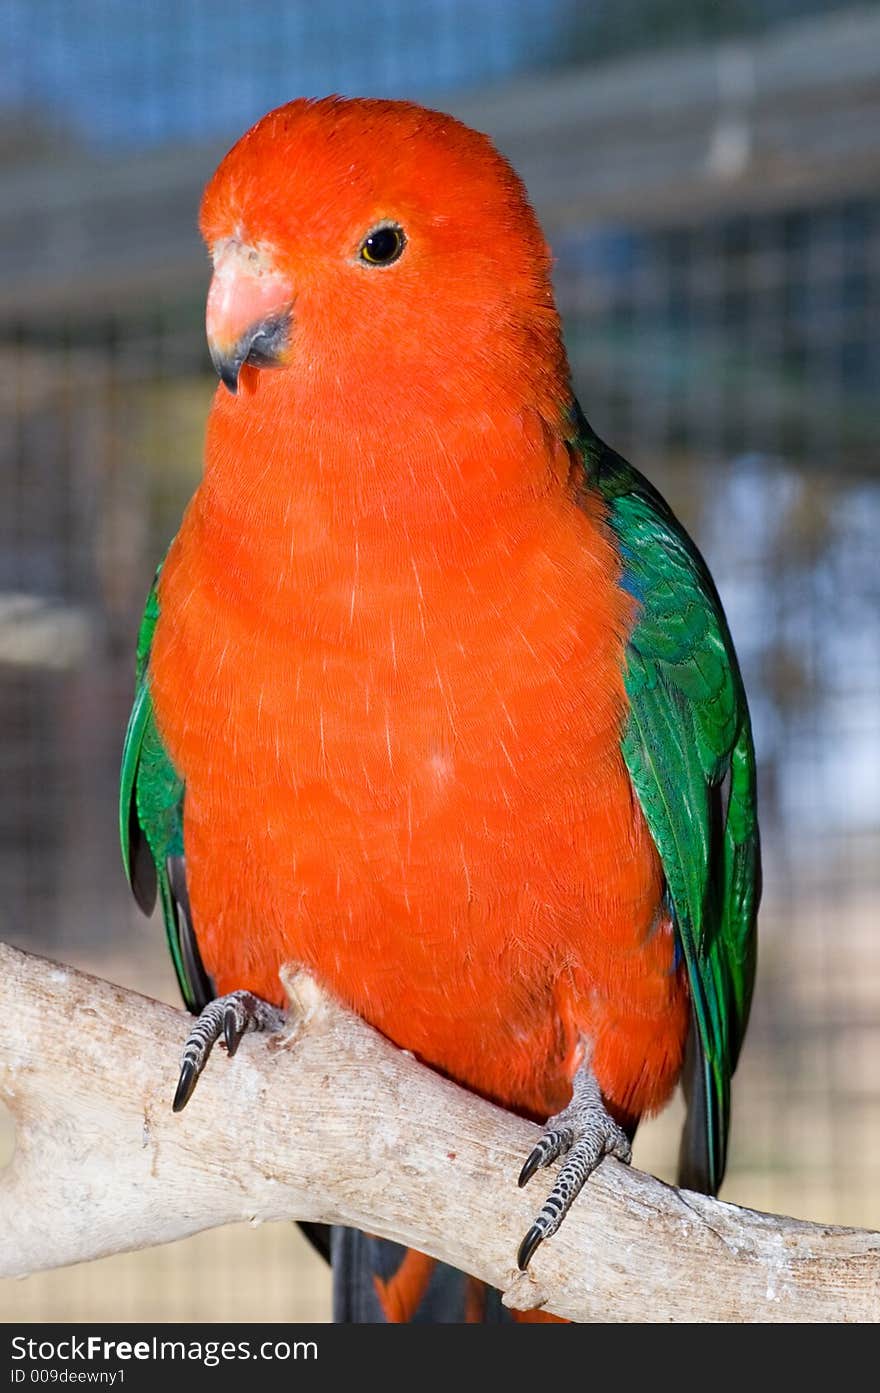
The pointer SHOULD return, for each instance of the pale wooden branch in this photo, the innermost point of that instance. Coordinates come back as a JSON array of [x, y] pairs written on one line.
[[339, 1126]]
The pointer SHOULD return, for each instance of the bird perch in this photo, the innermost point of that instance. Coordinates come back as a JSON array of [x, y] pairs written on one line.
[[334, 1124]]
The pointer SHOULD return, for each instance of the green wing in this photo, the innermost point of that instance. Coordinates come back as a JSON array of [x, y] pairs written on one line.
[[151, 825], [688, 749]]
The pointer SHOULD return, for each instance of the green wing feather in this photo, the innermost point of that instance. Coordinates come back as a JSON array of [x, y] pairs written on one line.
[[151, 824], [688, 748]]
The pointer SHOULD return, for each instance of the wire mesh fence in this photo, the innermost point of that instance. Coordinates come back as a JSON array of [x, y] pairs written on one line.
[[730, 352]]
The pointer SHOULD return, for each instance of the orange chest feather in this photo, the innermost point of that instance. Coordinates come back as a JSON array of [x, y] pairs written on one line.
[[408, 777]]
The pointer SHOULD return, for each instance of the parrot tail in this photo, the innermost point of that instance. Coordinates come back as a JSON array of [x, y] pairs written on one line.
[[379, 1282]]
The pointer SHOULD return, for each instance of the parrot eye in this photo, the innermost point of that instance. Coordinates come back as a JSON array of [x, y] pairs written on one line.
[[383, 245]]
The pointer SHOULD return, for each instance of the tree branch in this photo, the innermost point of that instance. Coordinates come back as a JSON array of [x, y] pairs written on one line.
[[336, 1125]]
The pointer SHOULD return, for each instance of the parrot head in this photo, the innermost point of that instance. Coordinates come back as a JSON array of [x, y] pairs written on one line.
[[381, 258]]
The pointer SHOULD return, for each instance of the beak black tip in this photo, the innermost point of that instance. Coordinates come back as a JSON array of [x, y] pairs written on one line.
[[262, 346], [227, 366]]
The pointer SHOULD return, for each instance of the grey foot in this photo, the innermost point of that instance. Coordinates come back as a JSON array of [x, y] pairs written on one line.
[[583, 1132], [230, 1016]]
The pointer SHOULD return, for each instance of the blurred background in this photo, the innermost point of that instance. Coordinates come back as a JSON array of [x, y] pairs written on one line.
[[709, 177]]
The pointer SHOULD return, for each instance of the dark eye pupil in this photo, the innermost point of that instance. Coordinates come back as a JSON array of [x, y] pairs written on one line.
[[383, 246]]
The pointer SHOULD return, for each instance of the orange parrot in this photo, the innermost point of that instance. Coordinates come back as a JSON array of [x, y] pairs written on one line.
[[435, 696]]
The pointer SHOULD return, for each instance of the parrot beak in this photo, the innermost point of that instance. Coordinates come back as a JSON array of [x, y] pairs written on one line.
[[248, 313]]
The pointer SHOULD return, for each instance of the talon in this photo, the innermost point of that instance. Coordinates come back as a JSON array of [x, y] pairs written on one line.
[[551, 1145], [229, 1016], [233, 1029], [584, 1133], [529, 1168], [533, 1240], [185, 1085]]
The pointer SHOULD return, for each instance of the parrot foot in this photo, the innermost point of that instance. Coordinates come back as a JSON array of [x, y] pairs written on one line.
[[583, 1132], [230, 1016]]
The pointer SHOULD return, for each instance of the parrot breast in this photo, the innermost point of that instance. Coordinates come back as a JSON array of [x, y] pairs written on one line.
[[401, 751]]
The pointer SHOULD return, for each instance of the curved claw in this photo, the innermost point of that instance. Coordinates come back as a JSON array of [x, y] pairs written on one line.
[[534, 1161], [189, 1075], [199, 1044], [551, 1145], [533, 1239], [234, 1026], [229, 1016]]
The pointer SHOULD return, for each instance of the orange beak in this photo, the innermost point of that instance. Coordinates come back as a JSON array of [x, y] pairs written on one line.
[[249, 311]]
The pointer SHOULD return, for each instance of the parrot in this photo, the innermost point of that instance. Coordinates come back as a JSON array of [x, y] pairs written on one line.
[[435, 696]]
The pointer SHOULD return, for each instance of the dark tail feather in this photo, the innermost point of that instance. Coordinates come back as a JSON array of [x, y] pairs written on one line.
[[319, 1237], [377, 1282], [697, 1170]]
